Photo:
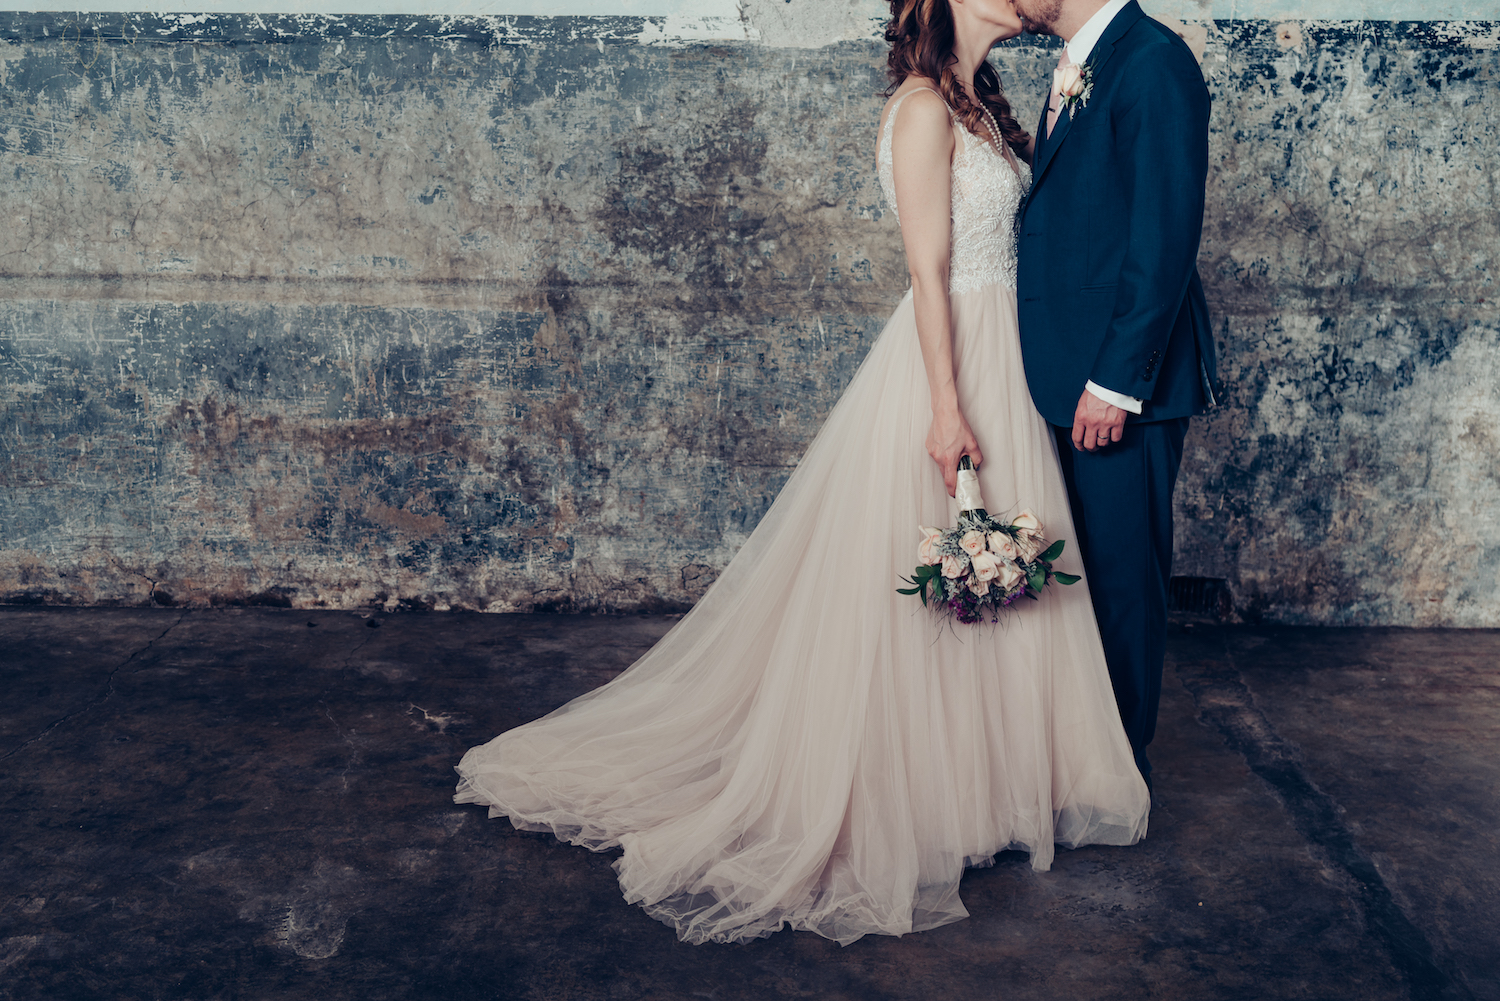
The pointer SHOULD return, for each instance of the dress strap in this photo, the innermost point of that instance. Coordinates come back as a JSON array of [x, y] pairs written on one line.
[[917, 90], [883, 154], [890, 120], [890, 123]]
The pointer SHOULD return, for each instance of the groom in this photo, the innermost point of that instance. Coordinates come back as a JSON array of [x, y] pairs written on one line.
[[1114, 328]]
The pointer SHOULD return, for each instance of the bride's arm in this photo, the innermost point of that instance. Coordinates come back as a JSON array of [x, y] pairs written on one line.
[[921, 160]]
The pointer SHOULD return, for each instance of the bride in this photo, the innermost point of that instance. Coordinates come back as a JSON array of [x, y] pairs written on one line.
[[807, 747]]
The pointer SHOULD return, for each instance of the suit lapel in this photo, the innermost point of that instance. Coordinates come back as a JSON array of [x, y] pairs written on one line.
[[1051, 143], [1048, 146], [1040, 148]]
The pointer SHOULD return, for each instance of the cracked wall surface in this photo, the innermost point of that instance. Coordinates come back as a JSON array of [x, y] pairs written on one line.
[[527, 313]]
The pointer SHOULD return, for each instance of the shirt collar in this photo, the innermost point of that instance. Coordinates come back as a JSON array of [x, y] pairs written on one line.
[[1082, 44]]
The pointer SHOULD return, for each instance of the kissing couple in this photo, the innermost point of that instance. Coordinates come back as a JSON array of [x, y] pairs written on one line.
[[806, 748]]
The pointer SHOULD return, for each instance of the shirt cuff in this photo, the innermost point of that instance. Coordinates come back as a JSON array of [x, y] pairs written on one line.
[[1113, 398]]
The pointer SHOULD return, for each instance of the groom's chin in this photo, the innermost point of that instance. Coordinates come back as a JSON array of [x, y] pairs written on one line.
[[1029, 27]]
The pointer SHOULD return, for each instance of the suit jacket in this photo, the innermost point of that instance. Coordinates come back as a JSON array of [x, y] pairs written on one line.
[[1107, 284]]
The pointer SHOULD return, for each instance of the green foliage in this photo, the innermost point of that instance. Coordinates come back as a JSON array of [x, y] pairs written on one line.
[[919, 581]]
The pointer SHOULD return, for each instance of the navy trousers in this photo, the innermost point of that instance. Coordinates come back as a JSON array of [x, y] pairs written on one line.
[[1121, 497]]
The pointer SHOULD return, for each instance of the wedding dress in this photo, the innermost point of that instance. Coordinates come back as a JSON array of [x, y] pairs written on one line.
[[806, 747]]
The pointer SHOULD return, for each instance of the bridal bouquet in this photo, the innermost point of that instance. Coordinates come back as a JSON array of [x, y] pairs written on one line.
[[982, 565]]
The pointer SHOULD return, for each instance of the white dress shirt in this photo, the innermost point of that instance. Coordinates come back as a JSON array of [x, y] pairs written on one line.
[[1080, 47]]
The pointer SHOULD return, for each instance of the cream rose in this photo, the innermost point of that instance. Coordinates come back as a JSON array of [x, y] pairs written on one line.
[[1002, 544], [972, 542], [1010, 574], [979, 587], [954, 566], [986, 565], [927, 549], [1026, 521], [1028, 546], [1068, 81]]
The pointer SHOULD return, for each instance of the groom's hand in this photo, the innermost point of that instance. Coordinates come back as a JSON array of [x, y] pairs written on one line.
[[1096, 423]]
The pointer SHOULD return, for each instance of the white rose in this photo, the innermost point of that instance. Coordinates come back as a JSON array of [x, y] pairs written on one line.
[[979, 587], [972, 542], [1028, 546], [986, 565], [1026, 521], [927, 550], [1068, 81], [954, 566], [1002, 544], [1010, 574]]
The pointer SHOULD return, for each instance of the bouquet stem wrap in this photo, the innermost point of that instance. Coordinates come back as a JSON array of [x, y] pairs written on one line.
[[967, 494]]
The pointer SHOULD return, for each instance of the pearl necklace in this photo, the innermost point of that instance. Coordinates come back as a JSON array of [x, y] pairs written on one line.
[[995, 139]]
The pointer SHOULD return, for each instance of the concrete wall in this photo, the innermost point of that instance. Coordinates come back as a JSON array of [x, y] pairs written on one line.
[[539, 313]]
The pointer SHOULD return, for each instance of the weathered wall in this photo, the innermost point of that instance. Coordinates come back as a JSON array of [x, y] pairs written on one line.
[[531, 313], [1351, 242]]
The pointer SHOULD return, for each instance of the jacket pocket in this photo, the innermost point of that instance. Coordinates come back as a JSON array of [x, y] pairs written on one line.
[[1097, 288]]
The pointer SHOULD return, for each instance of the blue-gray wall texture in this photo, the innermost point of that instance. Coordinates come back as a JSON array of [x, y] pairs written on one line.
[[536, 313]]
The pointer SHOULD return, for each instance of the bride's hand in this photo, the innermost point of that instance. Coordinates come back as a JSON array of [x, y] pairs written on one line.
[[948, 440]]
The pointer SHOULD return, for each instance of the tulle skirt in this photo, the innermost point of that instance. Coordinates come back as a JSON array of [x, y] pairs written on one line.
[[809, 748]]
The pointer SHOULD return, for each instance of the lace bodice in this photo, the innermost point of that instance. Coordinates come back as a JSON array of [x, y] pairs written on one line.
[[986, 196]]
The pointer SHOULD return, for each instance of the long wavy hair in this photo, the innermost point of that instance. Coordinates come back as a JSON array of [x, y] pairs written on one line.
[[921, 37]]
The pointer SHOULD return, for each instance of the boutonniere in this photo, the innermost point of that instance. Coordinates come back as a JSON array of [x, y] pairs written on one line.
[[1075, 84]]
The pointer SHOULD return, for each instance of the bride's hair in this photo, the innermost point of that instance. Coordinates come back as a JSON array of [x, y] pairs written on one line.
[[921, 37]]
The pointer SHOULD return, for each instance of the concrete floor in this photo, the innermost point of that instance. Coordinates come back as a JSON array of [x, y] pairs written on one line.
[[255, 804]]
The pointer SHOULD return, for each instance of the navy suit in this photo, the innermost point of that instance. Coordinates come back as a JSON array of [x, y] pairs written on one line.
[[1108, 291]]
